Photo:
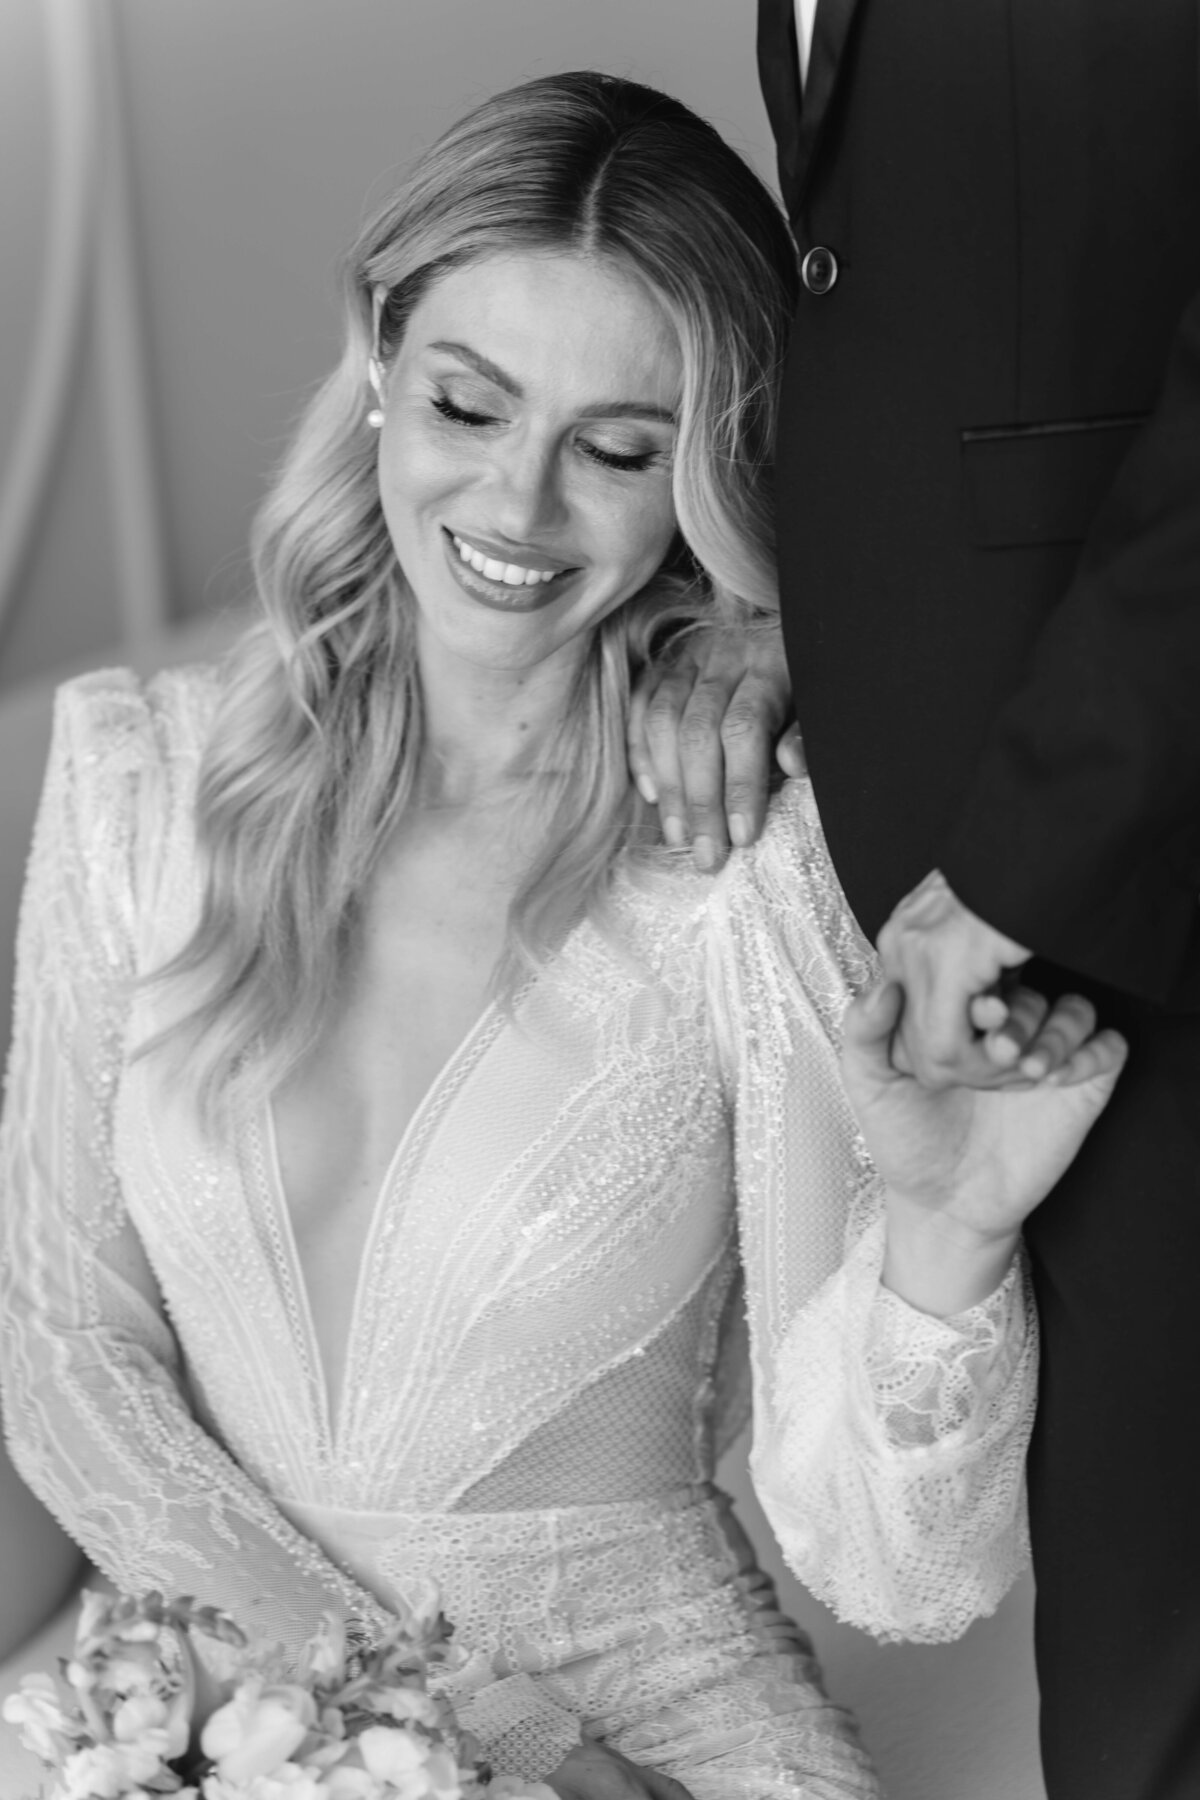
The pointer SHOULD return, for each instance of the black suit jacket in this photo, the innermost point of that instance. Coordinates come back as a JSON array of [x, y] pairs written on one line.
[[989, 464]]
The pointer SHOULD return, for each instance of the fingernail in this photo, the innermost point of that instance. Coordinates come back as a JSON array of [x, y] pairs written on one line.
[[705, 852], [674, 833], [739, 830], [647, 790], [1034, 1066]]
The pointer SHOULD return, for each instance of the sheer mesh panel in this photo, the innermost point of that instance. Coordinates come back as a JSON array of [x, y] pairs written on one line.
[[640, 1429]]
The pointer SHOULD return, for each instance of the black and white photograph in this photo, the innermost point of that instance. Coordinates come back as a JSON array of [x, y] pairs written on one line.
[[599, 899]]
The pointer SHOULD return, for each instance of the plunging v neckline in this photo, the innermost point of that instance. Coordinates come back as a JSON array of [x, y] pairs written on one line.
[[438, 1096]]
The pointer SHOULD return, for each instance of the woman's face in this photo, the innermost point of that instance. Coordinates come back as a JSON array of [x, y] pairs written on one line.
[[525, 456]]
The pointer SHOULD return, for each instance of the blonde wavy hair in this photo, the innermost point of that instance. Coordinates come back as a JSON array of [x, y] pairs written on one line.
[[317, 735]]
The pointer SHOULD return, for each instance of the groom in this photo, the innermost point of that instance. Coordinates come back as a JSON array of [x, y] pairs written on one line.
[[989, 515]]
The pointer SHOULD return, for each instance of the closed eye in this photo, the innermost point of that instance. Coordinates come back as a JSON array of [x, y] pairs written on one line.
[[627, 463], [611, 460], [448, 410]]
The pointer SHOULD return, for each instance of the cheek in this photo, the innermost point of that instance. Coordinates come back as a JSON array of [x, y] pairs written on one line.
[[415, 467], [654, 533], [637, 531]]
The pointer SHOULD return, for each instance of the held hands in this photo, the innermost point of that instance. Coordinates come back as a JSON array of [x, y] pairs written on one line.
[[953, 1028], [701, 727], [965, 1166], [592, 1772]]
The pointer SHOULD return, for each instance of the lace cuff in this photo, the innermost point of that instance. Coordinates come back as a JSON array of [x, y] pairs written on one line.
[[891, 1456], [932, 1377], [521, 1730]]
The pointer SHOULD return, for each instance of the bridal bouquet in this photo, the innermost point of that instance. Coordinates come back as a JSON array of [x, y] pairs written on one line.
[[347, 1723]]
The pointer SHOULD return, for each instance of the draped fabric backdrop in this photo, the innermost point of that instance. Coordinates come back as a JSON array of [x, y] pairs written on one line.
[[177, 178]]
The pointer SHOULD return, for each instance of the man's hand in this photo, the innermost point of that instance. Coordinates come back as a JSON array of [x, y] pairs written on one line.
[[963, 1167], [702, 725], [955, 1029], [592, 1772]]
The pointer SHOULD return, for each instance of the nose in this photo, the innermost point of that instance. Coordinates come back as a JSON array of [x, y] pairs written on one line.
[[527, 497]]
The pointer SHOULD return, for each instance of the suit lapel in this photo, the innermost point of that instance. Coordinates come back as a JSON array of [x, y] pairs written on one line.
[[798, 117], [779, 78]]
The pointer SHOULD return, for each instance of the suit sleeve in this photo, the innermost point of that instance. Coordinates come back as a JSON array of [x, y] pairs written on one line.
[[1081, 833]]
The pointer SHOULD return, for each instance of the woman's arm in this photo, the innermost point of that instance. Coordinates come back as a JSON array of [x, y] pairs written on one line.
[[888, 1443], [94, 1401]]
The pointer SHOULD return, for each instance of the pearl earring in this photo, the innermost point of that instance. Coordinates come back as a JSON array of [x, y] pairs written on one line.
[[375, 377]]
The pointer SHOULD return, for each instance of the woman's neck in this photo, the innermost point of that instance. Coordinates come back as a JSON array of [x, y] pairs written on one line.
[[487, 730]]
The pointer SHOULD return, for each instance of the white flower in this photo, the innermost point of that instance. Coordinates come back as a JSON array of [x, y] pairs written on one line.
[[258, 1729], [133, 1672], [107, 1771], [410, 1769], [289, 1782], [349, 1783], [408, 1705], [39, 1712], [390, 1754], [137, 1715], [441, 1777]]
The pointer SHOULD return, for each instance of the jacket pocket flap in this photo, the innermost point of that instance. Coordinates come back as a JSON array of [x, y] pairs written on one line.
[[1040, 484]]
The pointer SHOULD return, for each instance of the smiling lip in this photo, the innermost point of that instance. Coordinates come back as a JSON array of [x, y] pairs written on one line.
[[501, 595]]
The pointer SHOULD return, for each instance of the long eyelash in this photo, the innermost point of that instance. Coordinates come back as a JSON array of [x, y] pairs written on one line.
[[612, 461], [448, 410], [608, 458]]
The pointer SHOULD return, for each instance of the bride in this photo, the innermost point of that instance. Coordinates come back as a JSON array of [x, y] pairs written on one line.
[[400, 1138]]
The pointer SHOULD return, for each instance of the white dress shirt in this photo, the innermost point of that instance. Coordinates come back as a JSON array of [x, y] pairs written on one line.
[[806, 12]]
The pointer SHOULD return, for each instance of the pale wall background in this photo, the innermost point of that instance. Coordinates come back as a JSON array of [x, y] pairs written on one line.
[[255, 135], [216, 155]]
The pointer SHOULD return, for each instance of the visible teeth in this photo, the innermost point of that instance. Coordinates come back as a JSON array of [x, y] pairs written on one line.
[[511, 574]]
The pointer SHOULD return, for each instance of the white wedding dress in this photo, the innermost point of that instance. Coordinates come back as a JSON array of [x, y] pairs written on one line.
[[604, 1186]]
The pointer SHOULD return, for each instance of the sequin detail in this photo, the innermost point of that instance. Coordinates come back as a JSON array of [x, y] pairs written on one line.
[[549, 1318]]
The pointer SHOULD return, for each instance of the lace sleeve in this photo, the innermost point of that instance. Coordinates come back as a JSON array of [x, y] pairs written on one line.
[[93, 1390], [888, 1445]]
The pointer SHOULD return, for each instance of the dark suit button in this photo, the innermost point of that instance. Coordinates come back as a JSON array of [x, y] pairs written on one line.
[[819, 270]]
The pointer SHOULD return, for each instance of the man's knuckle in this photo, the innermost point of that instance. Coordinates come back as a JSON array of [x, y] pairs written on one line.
[[708, 700], [742, 726], [697, 732]]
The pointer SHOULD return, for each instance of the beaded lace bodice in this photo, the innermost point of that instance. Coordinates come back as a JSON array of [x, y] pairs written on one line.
[[549, 1310]]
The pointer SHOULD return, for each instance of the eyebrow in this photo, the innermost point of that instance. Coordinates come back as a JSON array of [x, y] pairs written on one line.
[[605, 409]]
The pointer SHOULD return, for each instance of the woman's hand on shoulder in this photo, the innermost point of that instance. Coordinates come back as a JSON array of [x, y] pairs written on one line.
[[965, 1166], [592, 1772]]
